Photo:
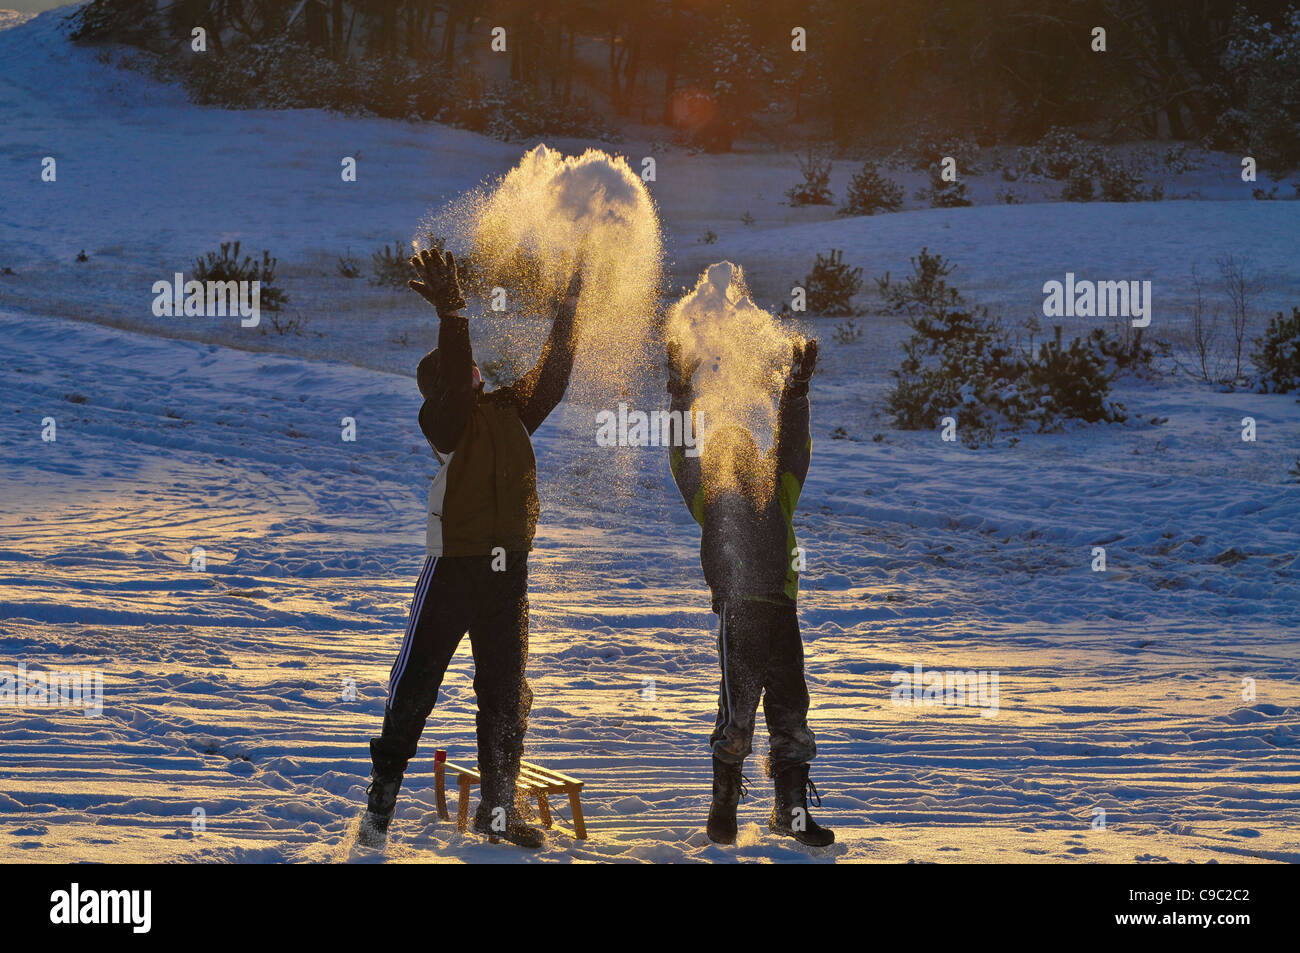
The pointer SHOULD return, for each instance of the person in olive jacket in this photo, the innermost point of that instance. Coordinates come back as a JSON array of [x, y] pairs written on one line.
[[483, 511], [744, 502]]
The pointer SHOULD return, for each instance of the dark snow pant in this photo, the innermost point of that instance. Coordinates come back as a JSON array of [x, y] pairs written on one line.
[[457, 594], [761, 654]]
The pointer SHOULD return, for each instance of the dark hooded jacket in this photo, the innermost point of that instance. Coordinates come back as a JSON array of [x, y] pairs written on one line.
[[484, 495]]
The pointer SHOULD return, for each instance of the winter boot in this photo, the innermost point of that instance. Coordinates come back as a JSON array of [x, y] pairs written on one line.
[[381, 799], [380, 805], [507, 825], [728, 789], [790, 815]]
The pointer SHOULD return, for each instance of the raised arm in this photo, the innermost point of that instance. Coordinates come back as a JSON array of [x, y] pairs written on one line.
[[793, 431], [448, 389], [539, 391], [685, 469]]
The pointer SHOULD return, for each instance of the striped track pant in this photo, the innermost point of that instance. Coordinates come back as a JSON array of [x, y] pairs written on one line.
[[760, 652]]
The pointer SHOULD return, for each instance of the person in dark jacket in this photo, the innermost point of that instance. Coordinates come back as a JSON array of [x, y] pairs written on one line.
[[744, 502], [483, 511]]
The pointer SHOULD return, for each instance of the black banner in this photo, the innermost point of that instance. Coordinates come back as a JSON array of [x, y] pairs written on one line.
[[140, 904]]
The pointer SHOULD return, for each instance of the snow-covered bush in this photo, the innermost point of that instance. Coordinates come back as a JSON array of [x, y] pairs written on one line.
[[390, 87], [847, 332], [518, 112], [116, 21], [1124, 349], [1120, 182], [956, 363], [278, 74], [815, 187], [1109, 179], [1260, 91], [941, 193], [1068, 382], [225, 265], [959, 362], [391, 266], [1078, 187], [927, 148], [925, 291], [283, 324], [1058, 153], [870, 192], [1278, 357], [831, 285], [1177, 159]]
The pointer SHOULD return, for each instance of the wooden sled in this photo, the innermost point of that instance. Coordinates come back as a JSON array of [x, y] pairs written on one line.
[[534, 780]]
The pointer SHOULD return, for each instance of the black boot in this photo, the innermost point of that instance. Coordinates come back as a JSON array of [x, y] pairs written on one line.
[[508, 825], [498, 813], [790, 815], [728, 789], [381, 798]]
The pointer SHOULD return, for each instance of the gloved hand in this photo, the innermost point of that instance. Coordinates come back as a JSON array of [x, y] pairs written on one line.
[[802, 365], [438, 282], [679, 373]]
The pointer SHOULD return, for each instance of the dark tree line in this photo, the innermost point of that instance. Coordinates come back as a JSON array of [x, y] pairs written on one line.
[[991, 69]]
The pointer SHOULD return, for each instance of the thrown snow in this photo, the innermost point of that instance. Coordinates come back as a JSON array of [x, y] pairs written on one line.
[[744, 353], [553, 215], [525, 235]]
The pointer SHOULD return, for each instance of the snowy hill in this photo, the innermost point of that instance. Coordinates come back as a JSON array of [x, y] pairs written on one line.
[[9, 18]]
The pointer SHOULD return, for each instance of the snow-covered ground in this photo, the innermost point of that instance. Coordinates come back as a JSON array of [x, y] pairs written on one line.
[[224, 688]]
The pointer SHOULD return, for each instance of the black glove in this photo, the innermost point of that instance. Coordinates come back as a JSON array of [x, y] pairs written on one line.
[[679, 373], [438, 282], [802, 365]]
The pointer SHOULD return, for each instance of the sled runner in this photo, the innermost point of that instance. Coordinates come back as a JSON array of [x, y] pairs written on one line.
[[534, 780]]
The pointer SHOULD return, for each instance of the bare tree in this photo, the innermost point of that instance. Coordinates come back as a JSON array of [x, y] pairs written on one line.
[[1204, 359], [1241, 283]]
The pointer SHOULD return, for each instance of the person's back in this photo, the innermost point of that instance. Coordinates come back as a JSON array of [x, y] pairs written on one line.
[[745, 506], [484, 495], [744, 502]]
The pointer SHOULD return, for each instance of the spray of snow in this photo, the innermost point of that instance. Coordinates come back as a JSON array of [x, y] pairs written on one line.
[[522, 238], [745, 354], [528, 233]]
